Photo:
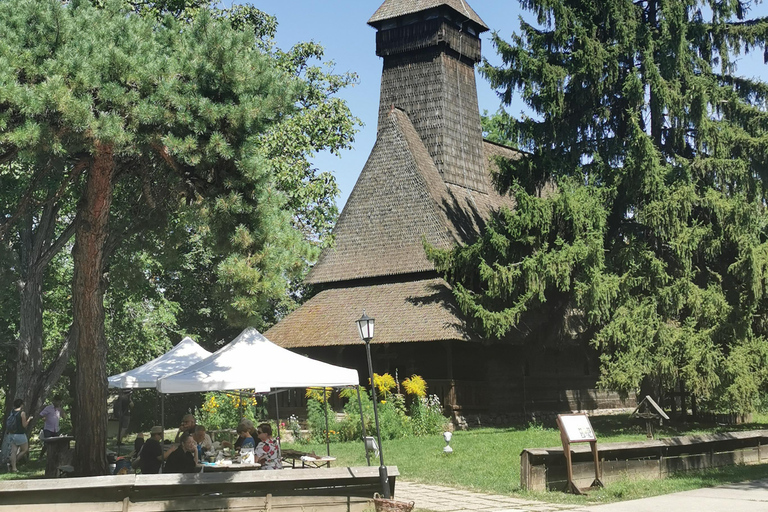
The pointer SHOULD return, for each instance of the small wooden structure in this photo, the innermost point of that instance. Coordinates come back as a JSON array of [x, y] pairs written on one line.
[[649, 411], [576, 428], [544, 469], [348, 489], [58, 454]]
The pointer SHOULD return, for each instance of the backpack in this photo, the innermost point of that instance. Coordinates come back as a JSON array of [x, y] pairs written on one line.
[[13, 422]]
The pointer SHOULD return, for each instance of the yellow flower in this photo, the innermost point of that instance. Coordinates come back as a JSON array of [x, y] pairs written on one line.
[[383, 401], [416, 385]]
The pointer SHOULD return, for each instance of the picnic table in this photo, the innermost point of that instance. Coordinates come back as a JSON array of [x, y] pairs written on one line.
[[228, 465], [308, 460]]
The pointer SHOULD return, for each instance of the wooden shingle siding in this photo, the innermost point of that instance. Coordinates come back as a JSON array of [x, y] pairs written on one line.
[[409, 38]]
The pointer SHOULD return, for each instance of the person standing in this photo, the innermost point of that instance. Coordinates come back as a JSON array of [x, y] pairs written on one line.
[[122, 413], [51, 415], [16, 428]]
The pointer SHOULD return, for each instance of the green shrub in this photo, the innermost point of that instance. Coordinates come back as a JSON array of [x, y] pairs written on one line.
[[427, 416], [225, 410]]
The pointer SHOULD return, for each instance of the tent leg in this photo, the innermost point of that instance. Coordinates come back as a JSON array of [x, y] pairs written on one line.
[[362, 423], [277, 415], [162, 413], [327, 432]]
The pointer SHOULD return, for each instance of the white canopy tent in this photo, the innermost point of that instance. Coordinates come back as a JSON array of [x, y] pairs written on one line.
[[182, 356], [251, 361]]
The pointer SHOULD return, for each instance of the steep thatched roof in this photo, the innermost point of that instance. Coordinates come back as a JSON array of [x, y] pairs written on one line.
[[396, 8], [412, 311]]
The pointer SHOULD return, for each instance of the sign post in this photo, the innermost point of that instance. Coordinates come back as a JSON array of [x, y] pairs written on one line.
[[576, 428]]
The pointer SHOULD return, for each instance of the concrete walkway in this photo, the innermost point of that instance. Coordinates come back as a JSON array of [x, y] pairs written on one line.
[[740, 497]]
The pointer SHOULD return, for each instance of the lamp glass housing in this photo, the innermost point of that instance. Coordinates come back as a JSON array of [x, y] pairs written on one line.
[[365, 327]]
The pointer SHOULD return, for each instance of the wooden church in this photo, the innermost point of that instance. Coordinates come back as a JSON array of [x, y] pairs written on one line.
[[428, 179]]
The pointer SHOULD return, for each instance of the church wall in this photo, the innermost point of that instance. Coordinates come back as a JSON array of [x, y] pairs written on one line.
[[496, 384]]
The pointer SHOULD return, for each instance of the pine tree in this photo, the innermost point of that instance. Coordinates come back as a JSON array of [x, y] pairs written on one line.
[[175, 106], [641, 204]]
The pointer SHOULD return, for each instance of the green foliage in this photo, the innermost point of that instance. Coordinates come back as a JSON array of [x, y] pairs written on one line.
[[641, 204], [427, 417], [222, 410], [316, 414]]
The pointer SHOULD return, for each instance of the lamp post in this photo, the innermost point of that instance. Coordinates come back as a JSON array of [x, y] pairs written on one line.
[[365, 327]]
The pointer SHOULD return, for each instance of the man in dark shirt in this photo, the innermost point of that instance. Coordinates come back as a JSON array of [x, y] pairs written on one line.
[[188, 424], [183, 459], [151, 454]]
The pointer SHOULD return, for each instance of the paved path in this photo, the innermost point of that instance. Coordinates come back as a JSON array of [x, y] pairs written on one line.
[[740, 497], [447, 499]]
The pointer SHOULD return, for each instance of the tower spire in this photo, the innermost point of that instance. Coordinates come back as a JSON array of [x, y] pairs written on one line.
[[430, 48]]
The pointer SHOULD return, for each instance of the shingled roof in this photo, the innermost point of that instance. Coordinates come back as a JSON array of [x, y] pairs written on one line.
[[412, 311], [427, 179], [399, 201], [396, 8]]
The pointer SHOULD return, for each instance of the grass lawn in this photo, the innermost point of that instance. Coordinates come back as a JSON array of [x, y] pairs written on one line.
[[488, 460]]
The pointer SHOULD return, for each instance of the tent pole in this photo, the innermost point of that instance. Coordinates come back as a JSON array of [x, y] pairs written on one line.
[[162, 413], [277, 413], [362, 423], [327, 432]]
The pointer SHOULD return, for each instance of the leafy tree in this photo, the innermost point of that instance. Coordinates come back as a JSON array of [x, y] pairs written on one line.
[[655, 234], [158, 275], [180, 104]]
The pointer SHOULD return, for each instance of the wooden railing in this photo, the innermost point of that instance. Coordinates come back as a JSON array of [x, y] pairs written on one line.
[[333, 489]]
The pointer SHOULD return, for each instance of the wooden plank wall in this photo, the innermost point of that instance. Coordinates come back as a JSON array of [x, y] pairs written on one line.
[[542, 469]]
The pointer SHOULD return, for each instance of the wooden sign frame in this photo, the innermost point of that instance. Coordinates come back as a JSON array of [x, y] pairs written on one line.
[[576, 428]]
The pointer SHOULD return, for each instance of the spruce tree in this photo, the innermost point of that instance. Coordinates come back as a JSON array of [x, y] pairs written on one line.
[[641, 198]]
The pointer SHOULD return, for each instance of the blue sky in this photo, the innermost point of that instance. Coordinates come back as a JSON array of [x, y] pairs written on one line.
[[340, 26]]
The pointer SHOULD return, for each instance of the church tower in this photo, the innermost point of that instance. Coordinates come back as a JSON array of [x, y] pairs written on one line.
[[430, 49]]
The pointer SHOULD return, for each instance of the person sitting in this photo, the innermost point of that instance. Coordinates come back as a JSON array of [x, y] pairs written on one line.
[[203, 441], [239, 441], [183, 459], [244, 436], [188, 424], [268, 451], [151, 454]]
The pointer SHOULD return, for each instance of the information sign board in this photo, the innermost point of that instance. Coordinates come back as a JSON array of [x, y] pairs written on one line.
[[577, 428]]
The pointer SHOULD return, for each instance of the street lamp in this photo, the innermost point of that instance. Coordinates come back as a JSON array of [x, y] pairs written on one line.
[[365, 326]]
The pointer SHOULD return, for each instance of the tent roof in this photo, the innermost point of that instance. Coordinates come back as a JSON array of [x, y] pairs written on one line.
[[182, 356], [251, 361]]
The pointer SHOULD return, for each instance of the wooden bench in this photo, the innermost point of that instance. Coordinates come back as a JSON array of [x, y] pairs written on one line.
[[335, 489]]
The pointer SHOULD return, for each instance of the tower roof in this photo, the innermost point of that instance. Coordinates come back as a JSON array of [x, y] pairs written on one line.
[[395, 8]]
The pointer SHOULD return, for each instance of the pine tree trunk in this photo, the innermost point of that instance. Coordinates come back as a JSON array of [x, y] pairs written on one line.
[[88, 317]]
